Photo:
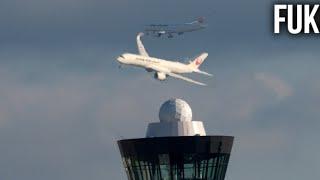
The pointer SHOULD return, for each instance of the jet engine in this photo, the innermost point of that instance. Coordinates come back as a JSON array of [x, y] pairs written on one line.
[[160, 76]]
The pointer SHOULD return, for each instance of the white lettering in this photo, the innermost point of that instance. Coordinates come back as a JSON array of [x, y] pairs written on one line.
[[299, 19], [277, 18], [309, 18]]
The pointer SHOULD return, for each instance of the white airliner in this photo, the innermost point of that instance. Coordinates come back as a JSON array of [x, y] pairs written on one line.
[[161, 67]]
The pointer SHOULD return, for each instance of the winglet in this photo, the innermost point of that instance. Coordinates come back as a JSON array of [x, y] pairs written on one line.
[[141, 49]]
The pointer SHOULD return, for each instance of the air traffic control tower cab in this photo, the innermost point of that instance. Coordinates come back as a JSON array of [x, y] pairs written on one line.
[[176, 148]]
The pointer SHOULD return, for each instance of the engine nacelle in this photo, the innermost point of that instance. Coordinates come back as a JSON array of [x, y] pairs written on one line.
[[160, 76]]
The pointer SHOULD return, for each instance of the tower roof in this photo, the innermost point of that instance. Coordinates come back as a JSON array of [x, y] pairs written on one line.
[[175, 110]]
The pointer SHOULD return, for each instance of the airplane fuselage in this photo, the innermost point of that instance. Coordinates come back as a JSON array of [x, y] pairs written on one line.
[[163, 68], [181, 28], [145, 62]]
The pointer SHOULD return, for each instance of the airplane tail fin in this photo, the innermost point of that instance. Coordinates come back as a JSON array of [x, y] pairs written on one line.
[[199, 20], [198, 60]]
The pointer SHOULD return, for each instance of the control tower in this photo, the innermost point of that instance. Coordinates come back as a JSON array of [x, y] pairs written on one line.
[[176, 148]]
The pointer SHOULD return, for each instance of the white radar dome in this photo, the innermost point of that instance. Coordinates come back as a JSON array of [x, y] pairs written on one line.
[[175, 110]]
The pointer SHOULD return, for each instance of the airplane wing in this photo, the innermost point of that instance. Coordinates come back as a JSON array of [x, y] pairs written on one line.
[[185, 78], [141, 49], [166, 71]]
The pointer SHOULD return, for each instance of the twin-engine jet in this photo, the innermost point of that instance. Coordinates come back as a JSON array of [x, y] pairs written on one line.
[[163, 68], [171, 29]]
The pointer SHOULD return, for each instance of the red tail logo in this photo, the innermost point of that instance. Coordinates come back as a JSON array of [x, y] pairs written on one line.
[[198, 61]]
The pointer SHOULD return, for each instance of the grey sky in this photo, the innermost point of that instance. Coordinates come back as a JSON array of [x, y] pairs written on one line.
[[64, 102]]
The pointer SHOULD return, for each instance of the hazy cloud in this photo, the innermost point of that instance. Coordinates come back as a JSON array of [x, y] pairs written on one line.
[[278, 86]]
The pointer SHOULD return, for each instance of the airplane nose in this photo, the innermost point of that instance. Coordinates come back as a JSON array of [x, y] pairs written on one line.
[[120, 58]]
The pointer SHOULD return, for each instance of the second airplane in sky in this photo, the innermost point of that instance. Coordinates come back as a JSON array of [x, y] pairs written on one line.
[[171, 29]]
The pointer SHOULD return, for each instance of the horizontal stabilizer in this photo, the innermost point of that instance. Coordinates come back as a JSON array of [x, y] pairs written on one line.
[[204, 73]]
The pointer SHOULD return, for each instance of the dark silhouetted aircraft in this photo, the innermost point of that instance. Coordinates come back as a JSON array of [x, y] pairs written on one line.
[[170, 29]]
